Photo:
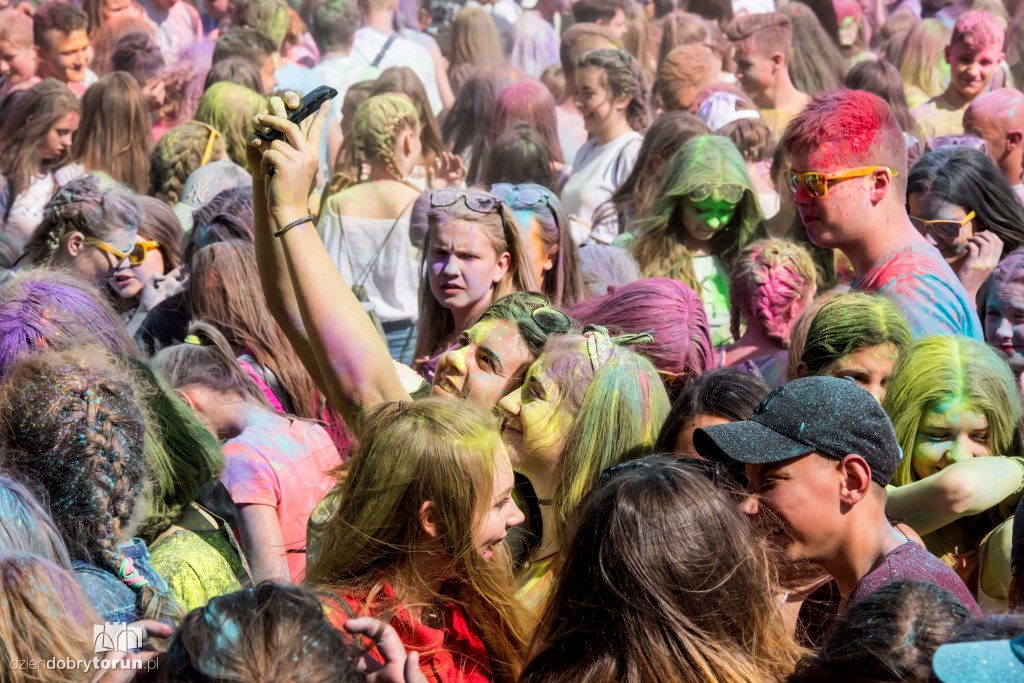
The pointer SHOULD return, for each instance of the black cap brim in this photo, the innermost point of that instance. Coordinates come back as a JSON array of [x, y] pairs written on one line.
[[748, 442]]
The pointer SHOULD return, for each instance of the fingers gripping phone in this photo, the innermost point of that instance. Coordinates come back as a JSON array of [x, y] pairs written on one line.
[[309, 105]]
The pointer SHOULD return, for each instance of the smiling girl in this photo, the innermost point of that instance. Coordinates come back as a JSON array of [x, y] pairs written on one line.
[[417, 540], [958, 199], [37, 139], [953, 402], [706, 214], [1004, 310], [611, 94]]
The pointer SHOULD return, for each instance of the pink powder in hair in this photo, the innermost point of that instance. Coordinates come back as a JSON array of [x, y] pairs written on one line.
[[978, 30]]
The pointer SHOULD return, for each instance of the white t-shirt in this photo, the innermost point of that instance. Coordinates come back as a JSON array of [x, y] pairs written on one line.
[[597, 172], [26, 212], [341, 73], [392, 285], [401, 52]]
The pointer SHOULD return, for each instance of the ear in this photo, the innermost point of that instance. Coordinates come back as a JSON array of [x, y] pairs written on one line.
[[428, 521], [778, 60], [655, 161], [802, 370], [75, 244], [880, 187], [856, 479], [549, 263], [501, 267], [945, 54], [187, 398], [1014, 139]]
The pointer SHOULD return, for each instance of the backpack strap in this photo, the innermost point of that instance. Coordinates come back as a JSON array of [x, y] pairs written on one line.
[[383, 51]]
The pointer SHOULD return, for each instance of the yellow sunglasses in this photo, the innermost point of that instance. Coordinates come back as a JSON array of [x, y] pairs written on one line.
[[135, 257], [817, 184], [944, 229]]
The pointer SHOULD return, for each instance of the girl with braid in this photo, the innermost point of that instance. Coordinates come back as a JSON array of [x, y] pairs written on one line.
[[73, 422], [772, 283], [366, 226], [180, 151]]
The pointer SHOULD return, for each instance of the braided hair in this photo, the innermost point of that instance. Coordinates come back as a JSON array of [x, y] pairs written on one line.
[[178, 153], [768, 277], [73, 421], [378, 121], [625, 78]]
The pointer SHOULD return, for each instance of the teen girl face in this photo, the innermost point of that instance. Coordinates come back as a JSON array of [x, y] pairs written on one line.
[[601, 110], [129, 280], [538, 421], [464, 266], [502, 512], [705, 218], [57, 142], [487, 363], [949, 431], [931, 208], [870, 367], [1004, 322]]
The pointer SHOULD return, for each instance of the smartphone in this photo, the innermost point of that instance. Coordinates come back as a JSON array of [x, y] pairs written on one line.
[[309, 105]]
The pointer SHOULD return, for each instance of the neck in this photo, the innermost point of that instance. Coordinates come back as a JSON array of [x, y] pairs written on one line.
[[381, 21], [544, 485], [955, 98], [614, 129], [860, 552], [784, 94], [755, 342], [336, 53], [379, 171], [235, 418], [894, 230], [465, 318]]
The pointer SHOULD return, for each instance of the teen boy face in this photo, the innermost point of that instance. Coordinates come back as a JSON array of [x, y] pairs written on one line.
[[64, 56], [972, 68]]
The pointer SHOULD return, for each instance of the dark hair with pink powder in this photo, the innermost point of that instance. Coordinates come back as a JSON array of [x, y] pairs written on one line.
[[857, 126], [669, 310], [978, 30], [532, 103]]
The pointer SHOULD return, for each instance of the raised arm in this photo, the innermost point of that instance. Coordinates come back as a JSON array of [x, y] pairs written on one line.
[[308, 296], [964, 488]]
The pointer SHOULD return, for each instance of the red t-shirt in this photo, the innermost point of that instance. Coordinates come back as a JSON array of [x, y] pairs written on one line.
[[452, 654]]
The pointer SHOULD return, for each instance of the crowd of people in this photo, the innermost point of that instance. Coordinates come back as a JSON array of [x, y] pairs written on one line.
[[606, 340]]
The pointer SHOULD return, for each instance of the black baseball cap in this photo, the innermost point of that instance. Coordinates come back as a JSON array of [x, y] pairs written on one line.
[[826, 415]]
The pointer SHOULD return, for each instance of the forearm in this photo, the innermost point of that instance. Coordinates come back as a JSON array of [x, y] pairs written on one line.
[[964, 488], [352, 356]]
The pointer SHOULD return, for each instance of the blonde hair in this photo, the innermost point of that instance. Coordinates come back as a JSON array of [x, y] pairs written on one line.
[[922, 54], [436, 325], [378, 121], [44, 615], [768, 277], [433, 450]]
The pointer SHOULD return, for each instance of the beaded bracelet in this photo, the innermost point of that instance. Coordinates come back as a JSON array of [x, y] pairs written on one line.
[[294, 223]]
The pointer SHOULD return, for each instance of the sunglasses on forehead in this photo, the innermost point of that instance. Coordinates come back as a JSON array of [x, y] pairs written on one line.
[[480, 202], [526, 196]]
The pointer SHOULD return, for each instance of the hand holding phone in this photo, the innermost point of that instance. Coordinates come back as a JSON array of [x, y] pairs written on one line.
[[308, 106]]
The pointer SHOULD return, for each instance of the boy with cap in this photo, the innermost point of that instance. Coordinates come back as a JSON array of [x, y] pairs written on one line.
[[818, 453]]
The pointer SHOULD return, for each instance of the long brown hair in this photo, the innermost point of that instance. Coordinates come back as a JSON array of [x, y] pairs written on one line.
[[115, 134], [475, 43], [44, 616], [690, 587], [225, 291], [433, 450], [36, 112], [436, 326], [161, 225]]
